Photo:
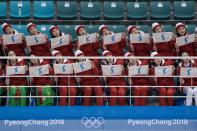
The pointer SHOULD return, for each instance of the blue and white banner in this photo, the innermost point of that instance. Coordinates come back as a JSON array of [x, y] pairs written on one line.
[[163, 71], [162, 37], [60, 41], [36, 39], [138, 70], [111, 70], [85, 39], [188, 71], [184, 40], [139, 38], [63, 69], [112, 38], [39, 70], [15, 70], [12, 39], [82, 66]]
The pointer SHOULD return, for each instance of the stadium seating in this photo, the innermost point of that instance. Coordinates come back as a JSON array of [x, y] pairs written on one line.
[[168, 28], [184, 9], [69, 29], [191, 28], [3, 7], [19, 9], [92, 28], [117, 28], [113, 10], [160, 9], [21, 29], [67, 9], [90, 9], [44, 29], [144, 28], [136, 10], [43, 9]]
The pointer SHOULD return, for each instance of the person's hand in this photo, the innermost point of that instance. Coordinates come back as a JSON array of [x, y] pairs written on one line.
[[173, 36], [182, 81]]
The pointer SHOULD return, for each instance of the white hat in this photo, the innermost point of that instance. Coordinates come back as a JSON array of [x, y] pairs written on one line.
[[53, 27], [101, 27], [178, 25], [154, 54], [129, 28], [5, 25], [55, 53], [106, 53], [154, 25], [78, 27], [128, 54], [78, 52], [30, 25]]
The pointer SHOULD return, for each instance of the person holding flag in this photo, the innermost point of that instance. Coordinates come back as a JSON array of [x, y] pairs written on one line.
[[163, 42], [12, 40], [16, 67], [2, 83], [188, 85], [85, 67], [185, 42], [87, 43], [61, 42], [113, 42], [139, 42], [114, 67], [37, 43], [161, 69], [64, 67], [138, 68], [37, 69]]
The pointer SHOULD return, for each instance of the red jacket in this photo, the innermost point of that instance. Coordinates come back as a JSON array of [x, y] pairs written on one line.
[[66, 80], [117, 48], [89, 80], [163, 81], [141, 49], [43, 80], [188, 81], [1, 81], [66, 50], [165, 48], [17, 81], [137, 81]]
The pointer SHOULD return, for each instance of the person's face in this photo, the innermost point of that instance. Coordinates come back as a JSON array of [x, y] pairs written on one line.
[[82, 31], [81, 60], [12, 54], [56, 32], [185, 54], [157, 61], [33, 30], [59, 60], [158, 29], [105, 31], [110, 60], [33, 61], [132, 61], [134, 31], [181, 31], [9, 30]]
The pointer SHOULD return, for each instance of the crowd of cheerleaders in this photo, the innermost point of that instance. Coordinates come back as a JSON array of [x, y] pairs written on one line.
[[113, 44]]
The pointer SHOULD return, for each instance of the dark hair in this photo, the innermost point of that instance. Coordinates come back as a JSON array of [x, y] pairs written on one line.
[[52, 36]]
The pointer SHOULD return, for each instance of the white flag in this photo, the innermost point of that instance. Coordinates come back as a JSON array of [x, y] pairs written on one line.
[[15, 70], [138, 70], [163, 71], [112, 38], [89, 38], [162, 37], [112, 69], [82, 66], [63, 68], [59, 41], [183, 40], [188, 71], [12, 39], [39, 70], [35, 39], [139, 38]]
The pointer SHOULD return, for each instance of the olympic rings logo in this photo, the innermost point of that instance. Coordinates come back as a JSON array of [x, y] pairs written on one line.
[[92, 122]]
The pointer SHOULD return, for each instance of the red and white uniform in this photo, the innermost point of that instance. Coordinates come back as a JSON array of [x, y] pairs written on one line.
[[189, 91], [164, 81], [17, 81], [18, 48], [65, 50], [116, 82], [190, 47]]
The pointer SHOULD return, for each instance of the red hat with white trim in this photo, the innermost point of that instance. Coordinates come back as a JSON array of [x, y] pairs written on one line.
[[130, 28], [30, 25], [78, 27], [128, 54], [51, 28], [107, 53], [4, 26], [78, 53], [155, 25], [178, 25], [101, 27], [55, 53]]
